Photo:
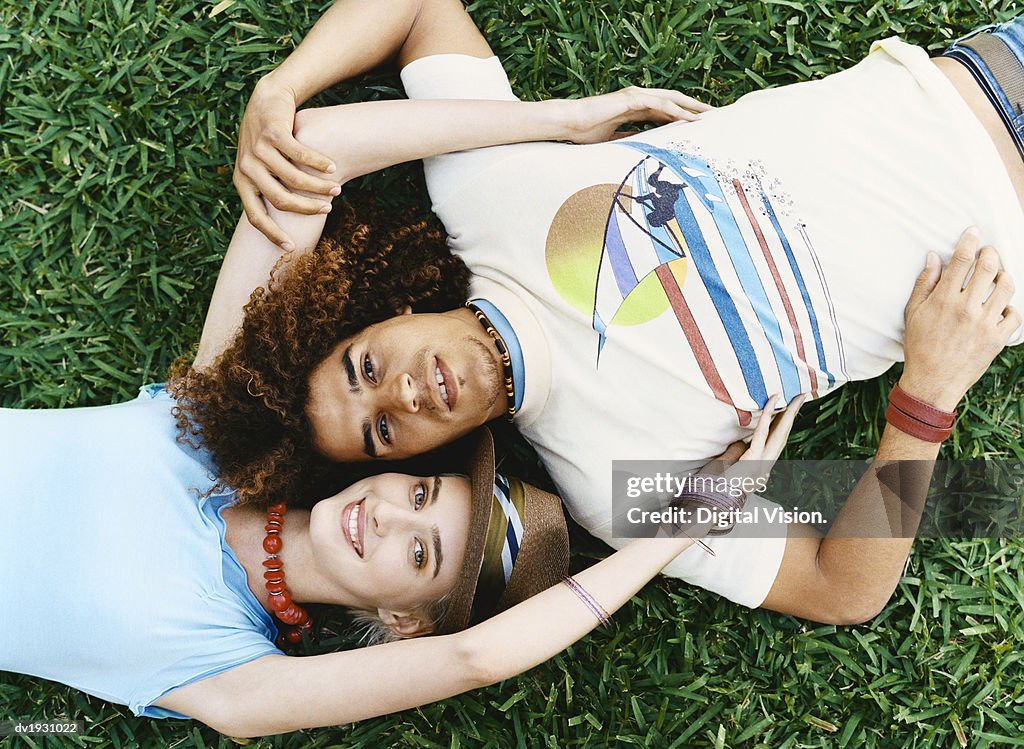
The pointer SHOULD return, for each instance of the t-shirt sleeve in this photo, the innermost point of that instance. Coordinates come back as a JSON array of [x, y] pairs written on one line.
[[746, 561], [213, 655], [454, 76]]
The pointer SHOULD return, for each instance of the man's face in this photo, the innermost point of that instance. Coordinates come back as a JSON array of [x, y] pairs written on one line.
[[405, 386]]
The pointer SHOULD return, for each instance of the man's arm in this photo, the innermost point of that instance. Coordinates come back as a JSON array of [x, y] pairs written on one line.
[[953, 332], [365, 137], [352, 37]]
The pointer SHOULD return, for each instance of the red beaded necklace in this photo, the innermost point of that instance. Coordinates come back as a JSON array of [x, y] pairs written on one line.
[[294, 616]]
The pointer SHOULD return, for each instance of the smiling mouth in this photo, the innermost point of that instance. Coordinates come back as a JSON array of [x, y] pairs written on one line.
[[446, 387], [352, 525], [441, 386]]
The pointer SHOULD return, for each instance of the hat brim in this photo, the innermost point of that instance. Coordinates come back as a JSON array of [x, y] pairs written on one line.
[[543, 556], [480, 469]]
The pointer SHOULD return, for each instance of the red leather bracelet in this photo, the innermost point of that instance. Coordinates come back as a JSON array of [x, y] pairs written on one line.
[[915, 428], [917, 418], [918, 409]]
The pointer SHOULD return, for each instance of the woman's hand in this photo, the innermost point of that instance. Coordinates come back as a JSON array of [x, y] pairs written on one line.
[[269, 160], [765, 445], [596, 118], [770, 435], [772, 431], [746, 466], [956, 325]]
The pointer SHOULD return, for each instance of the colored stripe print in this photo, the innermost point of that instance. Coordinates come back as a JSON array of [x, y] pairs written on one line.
[[741, 278], [503, 537]]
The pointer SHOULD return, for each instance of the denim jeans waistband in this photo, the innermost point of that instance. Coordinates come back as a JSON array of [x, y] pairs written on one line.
[[995, 57]]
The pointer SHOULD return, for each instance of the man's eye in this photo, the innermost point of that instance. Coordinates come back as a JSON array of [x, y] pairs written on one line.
[[419, 555], [385, 431], [419, 496], [368, 369]]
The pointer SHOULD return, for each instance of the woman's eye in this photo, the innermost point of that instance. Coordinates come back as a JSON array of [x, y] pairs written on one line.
[[419, 496], [368, 369], [385, 431], [419, 555]]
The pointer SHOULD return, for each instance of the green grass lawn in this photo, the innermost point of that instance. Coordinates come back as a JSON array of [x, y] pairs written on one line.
[[117, 129]]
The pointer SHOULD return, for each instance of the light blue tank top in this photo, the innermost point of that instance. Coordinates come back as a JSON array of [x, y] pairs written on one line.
[[117, 577]]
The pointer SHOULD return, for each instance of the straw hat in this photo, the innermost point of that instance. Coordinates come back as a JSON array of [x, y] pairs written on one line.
[[518, 542]]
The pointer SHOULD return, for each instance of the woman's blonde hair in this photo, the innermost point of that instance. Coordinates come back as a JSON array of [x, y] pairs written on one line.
[[369, 629]]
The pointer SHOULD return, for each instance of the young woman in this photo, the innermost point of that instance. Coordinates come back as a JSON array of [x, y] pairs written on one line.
[[130, 577]]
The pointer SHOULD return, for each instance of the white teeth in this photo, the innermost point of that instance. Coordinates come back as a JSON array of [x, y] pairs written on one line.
[[353, 526], [440, 384]]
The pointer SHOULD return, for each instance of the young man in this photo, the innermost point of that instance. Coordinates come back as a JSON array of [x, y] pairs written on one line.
[[653, 293]]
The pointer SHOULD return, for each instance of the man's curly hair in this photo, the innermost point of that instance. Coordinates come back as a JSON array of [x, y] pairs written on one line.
[[249, 408]]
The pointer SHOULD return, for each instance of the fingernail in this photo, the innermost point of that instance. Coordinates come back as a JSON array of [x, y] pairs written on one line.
[[929, 259], [331, 168], [335, 191], [287, 246], [325, 208]]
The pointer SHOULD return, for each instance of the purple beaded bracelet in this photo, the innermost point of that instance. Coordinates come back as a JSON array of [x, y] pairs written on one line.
[[595, 608]]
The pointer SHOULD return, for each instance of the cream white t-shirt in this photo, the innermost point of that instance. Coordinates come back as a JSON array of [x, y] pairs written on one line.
[[665, 285]]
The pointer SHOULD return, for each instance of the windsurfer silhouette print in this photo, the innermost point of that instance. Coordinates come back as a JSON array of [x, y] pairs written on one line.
[[711, 245]]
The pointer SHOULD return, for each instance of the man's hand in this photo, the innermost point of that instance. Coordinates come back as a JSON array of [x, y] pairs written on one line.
[[595, 119], [269, 160], [956, 323]]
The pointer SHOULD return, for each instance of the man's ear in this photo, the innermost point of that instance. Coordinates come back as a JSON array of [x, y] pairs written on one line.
[[406, 625], [406, 310]]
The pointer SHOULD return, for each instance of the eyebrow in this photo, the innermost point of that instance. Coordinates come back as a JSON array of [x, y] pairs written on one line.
[[368, 447], [350, 370], [353, 383], [438, 556]]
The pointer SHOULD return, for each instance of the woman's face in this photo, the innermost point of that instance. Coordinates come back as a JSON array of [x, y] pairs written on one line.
[[393, 541]]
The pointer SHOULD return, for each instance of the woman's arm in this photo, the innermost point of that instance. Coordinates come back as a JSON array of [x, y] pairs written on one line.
[[365, 137], [275, 694]]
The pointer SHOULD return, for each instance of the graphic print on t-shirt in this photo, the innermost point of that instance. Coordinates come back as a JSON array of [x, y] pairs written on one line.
[[721, 252]]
